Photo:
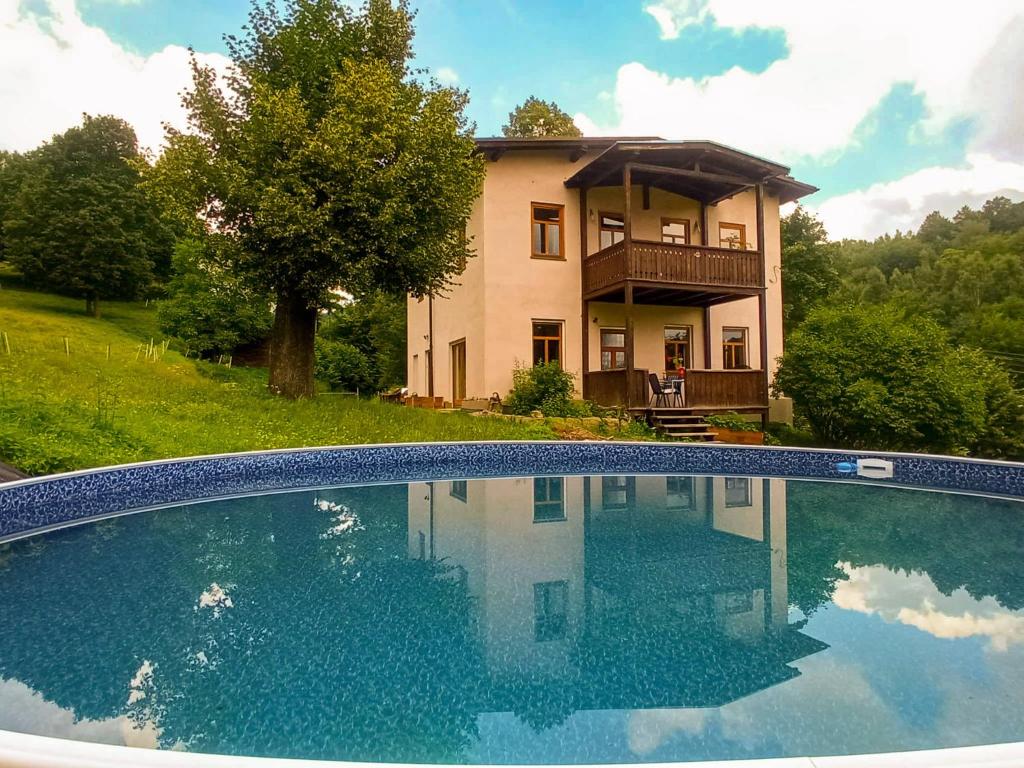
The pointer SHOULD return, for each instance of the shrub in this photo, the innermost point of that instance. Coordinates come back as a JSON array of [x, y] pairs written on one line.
[[733, 421], [343, 366], [545, 388], [210, 310], [870, 378]]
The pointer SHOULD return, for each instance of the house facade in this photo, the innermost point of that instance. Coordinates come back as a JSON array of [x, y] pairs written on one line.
[[617, 258]]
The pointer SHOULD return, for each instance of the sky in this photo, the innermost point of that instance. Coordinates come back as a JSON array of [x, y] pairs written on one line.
[[893, 108]]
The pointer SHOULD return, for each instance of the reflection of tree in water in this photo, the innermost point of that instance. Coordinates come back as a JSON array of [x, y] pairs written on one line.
[[333, 645], [959, 541]]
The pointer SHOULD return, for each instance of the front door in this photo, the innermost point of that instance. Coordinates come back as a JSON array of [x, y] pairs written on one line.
[[458, 372]]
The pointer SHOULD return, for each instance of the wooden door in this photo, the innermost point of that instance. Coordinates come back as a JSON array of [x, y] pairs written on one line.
[[458, 372]]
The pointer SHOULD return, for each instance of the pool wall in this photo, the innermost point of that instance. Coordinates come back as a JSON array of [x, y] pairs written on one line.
[[38, 504]]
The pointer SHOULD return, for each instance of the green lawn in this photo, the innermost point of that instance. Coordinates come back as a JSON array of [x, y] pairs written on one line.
[[62, 411]]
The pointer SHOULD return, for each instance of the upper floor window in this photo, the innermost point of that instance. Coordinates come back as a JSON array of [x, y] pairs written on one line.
[[548, 231], [732, 235], [613, 349], [547, 342], [734, 348], [675, 231], [612, 229]]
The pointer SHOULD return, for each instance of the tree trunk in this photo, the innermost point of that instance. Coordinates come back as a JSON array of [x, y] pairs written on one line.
[[291, 347], [92, 306]]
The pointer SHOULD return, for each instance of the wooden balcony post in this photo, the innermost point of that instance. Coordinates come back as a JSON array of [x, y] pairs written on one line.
[[762, 302], [627, 239], [629, 344], [707, 338], [585, 305], [705, 236]]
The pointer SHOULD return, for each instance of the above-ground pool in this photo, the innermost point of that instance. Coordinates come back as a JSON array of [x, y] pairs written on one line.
[[610, 604]]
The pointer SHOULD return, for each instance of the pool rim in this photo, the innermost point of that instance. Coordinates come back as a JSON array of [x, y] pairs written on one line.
[[23, 750]]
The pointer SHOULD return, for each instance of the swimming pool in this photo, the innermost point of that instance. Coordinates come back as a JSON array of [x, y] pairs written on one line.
[[454, 614]]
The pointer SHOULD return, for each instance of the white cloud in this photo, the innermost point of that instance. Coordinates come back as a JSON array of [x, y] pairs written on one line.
[[904, 203], [843, 58], [913, 599], [54, 67], [675, 15], [447, 76]]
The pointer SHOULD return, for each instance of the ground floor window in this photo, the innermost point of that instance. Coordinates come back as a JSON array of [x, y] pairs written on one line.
[[677, 346], [614, 492], [734, 348], [679, 493], [613, 349], [547, 342]]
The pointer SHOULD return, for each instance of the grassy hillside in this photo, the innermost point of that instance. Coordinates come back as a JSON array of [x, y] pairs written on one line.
[[98, 400]]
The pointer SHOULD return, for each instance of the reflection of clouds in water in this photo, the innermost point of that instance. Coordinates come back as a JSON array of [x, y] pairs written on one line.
[[913, 599], [343, 519], [648, 729], [26, 711]]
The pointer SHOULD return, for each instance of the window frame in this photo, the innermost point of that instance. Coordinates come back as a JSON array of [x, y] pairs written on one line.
[[688, 359], [731, 484], [601, 228], [560, 256], [612, 350], [675, 220], [551, 509], [743, 245], [727, 346], [459, 489], [547, 339]]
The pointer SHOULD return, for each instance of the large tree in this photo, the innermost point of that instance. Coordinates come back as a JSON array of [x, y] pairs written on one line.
[[330, 161], [78, 222], [809, 272], [535, 118]]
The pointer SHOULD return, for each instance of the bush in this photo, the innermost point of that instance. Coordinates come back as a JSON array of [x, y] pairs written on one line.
[[545, 388], [210, 310], [869, 378], [343, 366], [733, 421]]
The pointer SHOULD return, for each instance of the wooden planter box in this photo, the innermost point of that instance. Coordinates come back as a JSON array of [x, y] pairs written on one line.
[[738, 437]]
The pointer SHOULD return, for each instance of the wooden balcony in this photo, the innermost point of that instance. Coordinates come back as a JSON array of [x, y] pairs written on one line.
[[704, 390], [714, 274]]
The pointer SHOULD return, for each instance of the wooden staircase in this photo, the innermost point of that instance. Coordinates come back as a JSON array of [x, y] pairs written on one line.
[[681, 423]]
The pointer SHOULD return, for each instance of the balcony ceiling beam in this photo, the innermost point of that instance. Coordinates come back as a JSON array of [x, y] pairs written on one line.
[[721, 178]]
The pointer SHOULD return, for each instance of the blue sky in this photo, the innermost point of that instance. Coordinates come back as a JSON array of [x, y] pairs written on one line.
[[882, 119]]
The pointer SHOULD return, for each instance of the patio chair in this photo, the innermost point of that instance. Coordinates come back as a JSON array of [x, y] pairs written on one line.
[[660, 397]]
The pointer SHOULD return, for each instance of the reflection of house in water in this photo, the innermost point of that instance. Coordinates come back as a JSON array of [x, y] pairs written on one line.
[[618, 592]]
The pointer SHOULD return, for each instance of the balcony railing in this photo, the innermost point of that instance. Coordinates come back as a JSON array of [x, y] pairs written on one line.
[[671, 264], [704, 389]]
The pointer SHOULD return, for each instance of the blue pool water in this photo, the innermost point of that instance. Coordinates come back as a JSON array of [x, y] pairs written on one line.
[[526, 620]]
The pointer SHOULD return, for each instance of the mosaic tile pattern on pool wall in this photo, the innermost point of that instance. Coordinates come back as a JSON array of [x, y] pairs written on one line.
[[28, 505]]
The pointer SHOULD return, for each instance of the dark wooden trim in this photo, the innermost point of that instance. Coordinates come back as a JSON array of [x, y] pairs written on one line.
[[721, 178], [745, 346], [707, 337], [584, 304], [704, 224], [743, 237], [561, 231], [430, 345], [762, 300], [630, 357]]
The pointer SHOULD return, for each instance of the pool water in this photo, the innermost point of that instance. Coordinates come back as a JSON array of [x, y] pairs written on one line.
[[526, 620]]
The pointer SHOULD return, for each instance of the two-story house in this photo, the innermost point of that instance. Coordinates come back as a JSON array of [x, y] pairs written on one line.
[[616, 257]]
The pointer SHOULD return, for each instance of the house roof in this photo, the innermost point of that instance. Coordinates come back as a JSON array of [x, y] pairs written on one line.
[[723, 170]]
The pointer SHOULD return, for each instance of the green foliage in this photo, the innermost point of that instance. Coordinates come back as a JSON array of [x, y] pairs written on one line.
[[76, 220], [809, 273], [869, 378], [545, 388], [733, 421], [60, 412], [344, 366], [210, 309], [536, 118], [332, 164], [374, 325]]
